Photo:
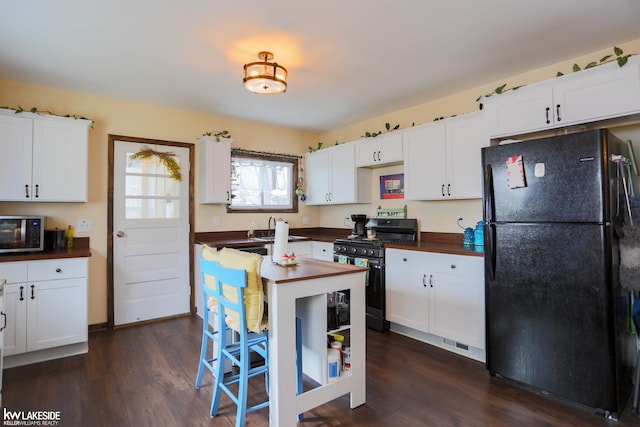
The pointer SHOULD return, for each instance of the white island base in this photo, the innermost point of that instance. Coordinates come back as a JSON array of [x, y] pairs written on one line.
[[301, 292]]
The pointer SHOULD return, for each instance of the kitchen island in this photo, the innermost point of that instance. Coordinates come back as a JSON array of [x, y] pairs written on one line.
[[300, 291]]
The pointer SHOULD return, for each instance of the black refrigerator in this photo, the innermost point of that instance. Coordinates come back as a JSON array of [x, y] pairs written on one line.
[[555, 313]]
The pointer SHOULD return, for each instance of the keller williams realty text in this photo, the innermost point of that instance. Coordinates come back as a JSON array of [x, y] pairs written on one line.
[[31, 418]]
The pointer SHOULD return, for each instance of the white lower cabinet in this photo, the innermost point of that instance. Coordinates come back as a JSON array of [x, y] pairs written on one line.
[[323, 250], [2, 328], [46, 308], [407, 293], [302, 249], [440, 296]]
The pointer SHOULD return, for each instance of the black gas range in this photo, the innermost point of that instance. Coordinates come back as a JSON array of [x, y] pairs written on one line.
[[361, 250]]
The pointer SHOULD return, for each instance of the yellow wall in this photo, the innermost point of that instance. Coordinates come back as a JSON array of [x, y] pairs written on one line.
[[442, 215], [119, 117]]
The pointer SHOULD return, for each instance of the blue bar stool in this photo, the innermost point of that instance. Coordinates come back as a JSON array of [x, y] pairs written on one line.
[[228, 293]]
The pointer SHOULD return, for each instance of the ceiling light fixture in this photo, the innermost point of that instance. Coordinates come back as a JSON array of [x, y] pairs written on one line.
[[264, 76]]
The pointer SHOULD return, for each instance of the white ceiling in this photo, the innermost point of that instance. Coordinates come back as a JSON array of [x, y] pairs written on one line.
[[348, 60]]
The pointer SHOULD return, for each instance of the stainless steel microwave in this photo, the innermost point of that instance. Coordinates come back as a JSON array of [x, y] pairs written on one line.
[[21, 233]]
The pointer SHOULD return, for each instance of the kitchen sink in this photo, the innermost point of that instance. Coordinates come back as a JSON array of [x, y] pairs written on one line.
[[272, 238]]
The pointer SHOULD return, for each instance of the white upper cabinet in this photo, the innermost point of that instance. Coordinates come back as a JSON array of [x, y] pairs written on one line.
[[382, 150], [332, 177], [603, 92], [442, 159], [43, 158], [214, 170]]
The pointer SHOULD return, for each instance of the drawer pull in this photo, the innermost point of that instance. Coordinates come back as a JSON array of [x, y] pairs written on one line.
[[21, 293], [404, 259], [58, 270], [453, 266], [33, 292]]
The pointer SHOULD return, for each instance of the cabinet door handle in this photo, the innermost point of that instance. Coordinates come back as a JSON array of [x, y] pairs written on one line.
[[21, 293], [33, 292], [378, 155], [58, 270], [558, 113], [4, 321], [424, 280], [431, 280], [442, 189], [448, 189], [228, 196], [26, 191], [404, 259], [547, 115], [37, 191]]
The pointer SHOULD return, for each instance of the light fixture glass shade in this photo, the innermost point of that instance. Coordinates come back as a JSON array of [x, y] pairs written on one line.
[[264, 76]]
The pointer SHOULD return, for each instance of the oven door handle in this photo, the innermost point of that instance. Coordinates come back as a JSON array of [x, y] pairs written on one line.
[[376, 283]]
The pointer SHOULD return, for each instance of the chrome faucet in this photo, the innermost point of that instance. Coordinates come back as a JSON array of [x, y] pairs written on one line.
[[269, 225]]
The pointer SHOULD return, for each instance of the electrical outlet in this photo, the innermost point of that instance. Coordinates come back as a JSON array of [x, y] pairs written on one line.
[[83, 226], [348, 222], [216, 221], [306, 220]]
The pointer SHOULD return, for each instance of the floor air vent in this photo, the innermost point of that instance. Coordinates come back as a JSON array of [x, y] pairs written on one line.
[[455, 344]]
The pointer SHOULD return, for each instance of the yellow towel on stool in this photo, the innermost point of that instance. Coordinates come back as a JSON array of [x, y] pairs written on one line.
[[253, 293], [210, 254]]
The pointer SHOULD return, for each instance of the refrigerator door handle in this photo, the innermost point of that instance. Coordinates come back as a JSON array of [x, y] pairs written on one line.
[[490, 250], [489, 227], [489, 208]]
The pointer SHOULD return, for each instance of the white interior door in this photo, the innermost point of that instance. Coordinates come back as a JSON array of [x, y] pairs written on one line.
[[150, 235]]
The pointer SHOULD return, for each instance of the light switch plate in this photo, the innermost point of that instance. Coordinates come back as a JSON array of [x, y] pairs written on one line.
[[83, 226]]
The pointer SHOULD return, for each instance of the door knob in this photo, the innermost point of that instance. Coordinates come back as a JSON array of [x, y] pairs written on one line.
[[120, 233]]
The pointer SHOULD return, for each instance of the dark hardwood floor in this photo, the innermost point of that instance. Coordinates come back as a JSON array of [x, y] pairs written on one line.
[[143, 376]]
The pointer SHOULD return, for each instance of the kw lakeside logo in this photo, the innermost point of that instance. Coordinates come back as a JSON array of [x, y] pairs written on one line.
[[31, 418]]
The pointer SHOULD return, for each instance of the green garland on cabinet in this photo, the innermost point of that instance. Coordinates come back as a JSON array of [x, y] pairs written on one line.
[[35, 110], [620, 58], [217, 134]]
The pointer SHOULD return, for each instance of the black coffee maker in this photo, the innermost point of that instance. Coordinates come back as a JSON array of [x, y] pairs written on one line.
[[359, 230]]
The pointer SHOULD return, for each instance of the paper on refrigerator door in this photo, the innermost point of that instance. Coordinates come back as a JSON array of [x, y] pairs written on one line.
[[280, 241], [515, 172]]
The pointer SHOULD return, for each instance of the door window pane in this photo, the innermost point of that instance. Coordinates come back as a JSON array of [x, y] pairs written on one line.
[[150, 192]]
